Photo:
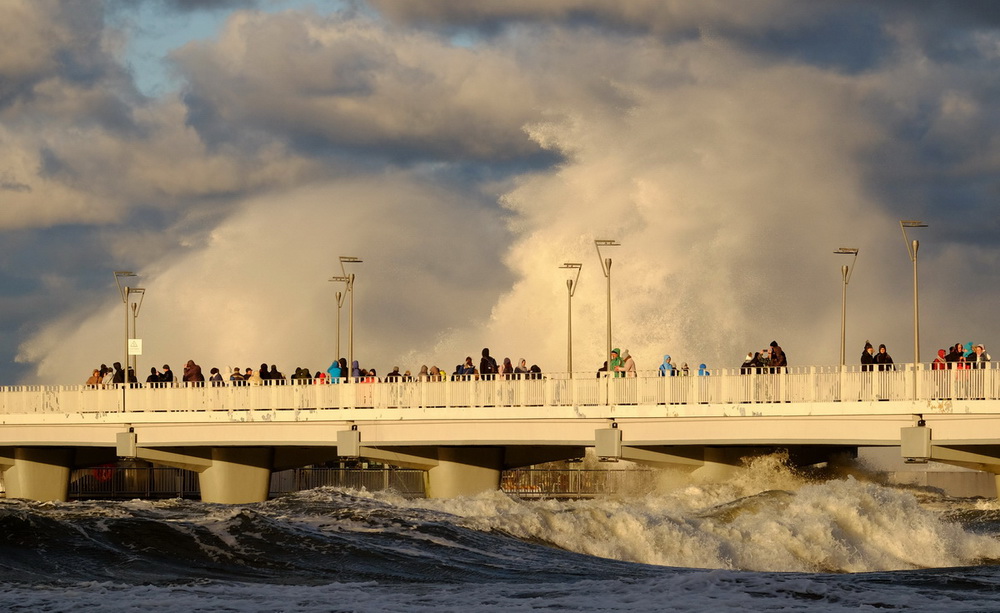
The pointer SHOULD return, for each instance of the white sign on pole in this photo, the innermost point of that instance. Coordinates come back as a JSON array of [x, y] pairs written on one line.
[[135, 346]]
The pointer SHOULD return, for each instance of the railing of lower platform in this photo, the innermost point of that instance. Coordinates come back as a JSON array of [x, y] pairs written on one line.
[[127, 483], [802, 384], [155, 482]]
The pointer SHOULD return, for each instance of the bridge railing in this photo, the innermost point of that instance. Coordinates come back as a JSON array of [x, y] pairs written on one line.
[[725, 386]]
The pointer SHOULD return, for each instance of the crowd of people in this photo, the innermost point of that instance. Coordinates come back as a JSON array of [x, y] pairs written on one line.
[[622, 364], [488, 368]]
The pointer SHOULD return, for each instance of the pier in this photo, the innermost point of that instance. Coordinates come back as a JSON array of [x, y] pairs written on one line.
[[463, 433]]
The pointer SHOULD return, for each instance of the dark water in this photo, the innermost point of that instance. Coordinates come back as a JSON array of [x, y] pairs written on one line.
[[769, 541]]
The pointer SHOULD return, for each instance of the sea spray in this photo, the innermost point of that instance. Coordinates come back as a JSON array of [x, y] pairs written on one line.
[[768, 517]]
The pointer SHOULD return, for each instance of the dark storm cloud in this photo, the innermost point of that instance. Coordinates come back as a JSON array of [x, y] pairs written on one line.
[[46, 40], [332, 84]]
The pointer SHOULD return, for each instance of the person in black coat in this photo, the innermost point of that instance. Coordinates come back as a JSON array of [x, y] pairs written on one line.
[[883, 359], [868, 358]]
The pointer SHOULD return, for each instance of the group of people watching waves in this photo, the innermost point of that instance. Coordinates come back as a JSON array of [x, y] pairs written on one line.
[[870, 359], [962, 356], [488, 368], [771, 359]]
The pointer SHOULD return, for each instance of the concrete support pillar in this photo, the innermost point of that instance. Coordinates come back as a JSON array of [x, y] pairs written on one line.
[[464, 471], [719, 464], [38, 473], [237, 475]]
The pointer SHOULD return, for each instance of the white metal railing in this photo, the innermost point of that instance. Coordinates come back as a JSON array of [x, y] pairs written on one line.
[[727, 386]]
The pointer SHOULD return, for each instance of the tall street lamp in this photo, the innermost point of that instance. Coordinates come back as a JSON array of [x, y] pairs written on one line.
[[340, 303], [124, 291], [846, 272], [911, 250], [571, 289], [344, 259], [136, 305], [606, 267]]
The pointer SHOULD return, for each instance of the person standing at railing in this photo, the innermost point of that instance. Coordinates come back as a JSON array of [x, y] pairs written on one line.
[[954, 355], [193, 375], [868, 358], [488, 365], [334, 372], [778, 358], [507, 369], [153, 380], [468, 370], [236, 378], [979, 358], [166, 376], [216, 377], [883, 359], [119, 374], [521, 370], [95, 378], [667, 368], [616, 362], [627, 367]]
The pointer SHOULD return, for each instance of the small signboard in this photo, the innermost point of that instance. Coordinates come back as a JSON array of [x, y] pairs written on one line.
[[135, 346]]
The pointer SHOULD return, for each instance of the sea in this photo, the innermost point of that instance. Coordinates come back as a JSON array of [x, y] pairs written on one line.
[[771, 538]]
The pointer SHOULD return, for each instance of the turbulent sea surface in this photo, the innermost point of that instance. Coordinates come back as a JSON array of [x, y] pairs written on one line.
[[767, 540]]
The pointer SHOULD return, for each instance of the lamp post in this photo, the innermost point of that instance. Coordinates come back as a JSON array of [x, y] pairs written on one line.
[[124, 291], [571, 289], [344, 259], [136, 305], [340, 303], [845, 272], [606, 267], [911, 250]]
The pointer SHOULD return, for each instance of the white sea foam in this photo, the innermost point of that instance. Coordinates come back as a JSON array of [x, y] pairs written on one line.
[[767, 519]]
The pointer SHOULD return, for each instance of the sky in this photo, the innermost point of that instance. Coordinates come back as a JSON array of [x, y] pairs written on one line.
[[230, 151]]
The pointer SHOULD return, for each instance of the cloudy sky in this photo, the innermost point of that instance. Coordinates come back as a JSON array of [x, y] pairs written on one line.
[[228, 151]]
